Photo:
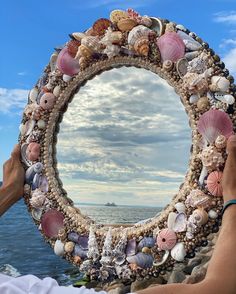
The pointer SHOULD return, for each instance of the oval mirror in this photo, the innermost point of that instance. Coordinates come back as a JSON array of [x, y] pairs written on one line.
[[123, 146]]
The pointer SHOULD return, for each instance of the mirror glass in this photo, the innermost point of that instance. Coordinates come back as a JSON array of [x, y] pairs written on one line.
[[123, 146]]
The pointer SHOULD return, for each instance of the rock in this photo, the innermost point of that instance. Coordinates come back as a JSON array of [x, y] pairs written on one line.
[[198, 274], [118, 287], [191, 265], [139, 285], [92, 284], [176, 277], [117, 290]]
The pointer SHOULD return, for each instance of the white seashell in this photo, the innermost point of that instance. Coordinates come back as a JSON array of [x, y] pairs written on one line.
[[37, 213], [59, 248], [189, 42], [165, 256], [180, 27], [56, 91], [212, 214], [193, 98], [180, 207], [229, 99], [220, 84], [29, 126], [66, 78], [78, 36], [180, 224], [191, 55], [171, 220], [53, 61], [22, 129], [33, 94], [41, 124], [178, 252]]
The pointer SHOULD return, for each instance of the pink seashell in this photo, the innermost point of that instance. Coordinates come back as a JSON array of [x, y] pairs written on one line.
[[166, 239], [52, 222], [171, 46], [67, 64], [47, 101], [197, 198], [214, 123], [214, 185], [33, 151]]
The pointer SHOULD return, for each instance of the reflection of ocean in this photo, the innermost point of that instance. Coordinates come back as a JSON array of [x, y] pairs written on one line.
[[22, 246]]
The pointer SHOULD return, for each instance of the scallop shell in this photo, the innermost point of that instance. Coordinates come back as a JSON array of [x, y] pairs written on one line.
[[200, 216], [59, 248], [101, 25], [197, 198], [219, 83], [214, 123], [66, 63], [214, 183], [72, 47], [126, 24], [166, 239], [171, 46], [117, 15], [189, 42], [157, 26], [141, 260], [52, 222], [146, 242], [178, 252], [131, 247]]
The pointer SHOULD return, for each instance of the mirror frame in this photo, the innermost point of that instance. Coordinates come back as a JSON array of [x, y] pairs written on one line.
[[105, 256]]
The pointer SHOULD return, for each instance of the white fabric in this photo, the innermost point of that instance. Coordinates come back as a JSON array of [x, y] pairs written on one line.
[[30, 284]]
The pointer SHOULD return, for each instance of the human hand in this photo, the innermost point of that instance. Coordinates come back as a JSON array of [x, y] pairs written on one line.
[[13, 176], [229, 174]]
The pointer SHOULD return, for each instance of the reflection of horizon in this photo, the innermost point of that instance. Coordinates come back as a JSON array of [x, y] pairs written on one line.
[[134, 146]]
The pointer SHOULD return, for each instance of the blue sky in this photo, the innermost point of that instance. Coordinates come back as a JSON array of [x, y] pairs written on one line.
[[31, 29]]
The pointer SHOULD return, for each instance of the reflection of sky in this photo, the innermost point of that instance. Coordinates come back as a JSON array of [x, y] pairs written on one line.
[[124, 138]]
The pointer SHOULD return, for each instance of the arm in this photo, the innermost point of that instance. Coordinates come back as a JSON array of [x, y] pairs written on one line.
[[13, 181]]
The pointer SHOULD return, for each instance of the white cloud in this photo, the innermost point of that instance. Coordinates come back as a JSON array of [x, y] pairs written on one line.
[[225, 17], [22, 73], [230, 60], [13, 100]]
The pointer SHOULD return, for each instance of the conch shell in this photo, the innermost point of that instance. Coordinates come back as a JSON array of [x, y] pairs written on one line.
[[138, 40]]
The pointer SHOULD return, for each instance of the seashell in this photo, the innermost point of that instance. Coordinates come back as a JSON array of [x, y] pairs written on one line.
[[37, 201], [37, 113], [24, 158], [56, 91], [219, 83], [53, 61], [146, 250], [69, 247], [178, 252], [119, 260], [171, 220], [214, 183], [166, 239], [84, 51], [112, 51], [47, 101], [214, 123], [78, 251], [141, 260], [137, 33], [77, 260], [41, 124], [168, 65], [83, 62], [43, 184], [33, 151], [83, 242], [170, 27], [72, 47], [117, 15], [197, 198], [180, 207], [36, 213], [141, 46], [189, 42], [181, 27], [212, 214], [72, 236], [92, 42], [193, 98], [229, 99], [33, 94], [180, 223], [59, 248], [126, 24], [200, 216], [146, 21], [221, 142], [100, 26], [171, 46], [22, 129], [66, 63], [195, 83], [203, 103], [157, 26], [66, 78], [52, 222], [191, 55], [182, 67], [146, 242], [134, 15], [29, 126], [32, 170], [164, 259], [211, 158], [131, 247], [78, 36], [29, 109]]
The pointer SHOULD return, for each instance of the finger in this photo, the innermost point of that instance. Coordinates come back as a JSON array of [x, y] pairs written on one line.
[[16, 152], [231, 144]]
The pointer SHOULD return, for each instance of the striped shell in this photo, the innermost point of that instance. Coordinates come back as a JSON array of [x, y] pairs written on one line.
[[92, 42], [141, 260], [171, 46], [214, 185], [200, 216], [166, 239], [101, 25], [136, 33]]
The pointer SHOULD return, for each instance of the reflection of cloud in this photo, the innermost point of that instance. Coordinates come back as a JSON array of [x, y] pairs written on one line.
[[124, 125], [228, 17], [12, 100]]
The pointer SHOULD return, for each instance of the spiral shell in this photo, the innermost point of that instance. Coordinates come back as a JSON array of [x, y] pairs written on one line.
[[166, 239], [137, 33], [200, 216], [92, 42], [141, 46], [168, 65]]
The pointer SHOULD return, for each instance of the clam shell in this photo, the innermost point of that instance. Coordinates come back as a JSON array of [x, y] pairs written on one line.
[[182, 66], [33, 94], [180, 224], [59, 248], [66, 63], [157, 26], [180, 207], [141, 260], [189, 42], [178, 252], [146, 242], [166, 239], [131, 247], [53, 61], [171, 220], [52, 222], [72, 236], [36, 213], [165, 257], [171, 46]]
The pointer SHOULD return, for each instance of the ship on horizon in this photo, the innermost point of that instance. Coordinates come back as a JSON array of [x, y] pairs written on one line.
[[110, 204]]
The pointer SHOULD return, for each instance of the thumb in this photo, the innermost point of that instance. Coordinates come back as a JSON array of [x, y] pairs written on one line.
[[16, 152]]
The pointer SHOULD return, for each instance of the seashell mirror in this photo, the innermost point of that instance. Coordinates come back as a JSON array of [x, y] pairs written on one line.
[[57, 134]]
